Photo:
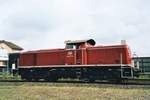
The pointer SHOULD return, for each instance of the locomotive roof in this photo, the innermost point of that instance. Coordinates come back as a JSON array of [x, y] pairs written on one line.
[[44, 50], [90, 41]]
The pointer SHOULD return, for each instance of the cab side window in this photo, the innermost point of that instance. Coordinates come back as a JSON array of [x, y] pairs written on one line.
[[70, 46]]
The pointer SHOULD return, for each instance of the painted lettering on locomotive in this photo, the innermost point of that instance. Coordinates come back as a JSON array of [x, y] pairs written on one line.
[[79, 59]]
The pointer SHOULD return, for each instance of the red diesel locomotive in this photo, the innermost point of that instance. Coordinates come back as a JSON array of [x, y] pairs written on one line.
[[79, 59]]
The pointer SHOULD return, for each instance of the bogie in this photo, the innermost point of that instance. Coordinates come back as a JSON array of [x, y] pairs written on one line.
[[87, 74]]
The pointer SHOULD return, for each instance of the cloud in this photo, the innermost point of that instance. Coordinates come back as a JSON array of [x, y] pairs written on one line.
[[36, 24]]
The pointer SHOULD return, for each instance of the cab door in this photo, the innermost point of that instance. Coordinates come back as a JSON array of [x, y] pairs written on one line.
[[78, 57], [81, 56], [70, 57]]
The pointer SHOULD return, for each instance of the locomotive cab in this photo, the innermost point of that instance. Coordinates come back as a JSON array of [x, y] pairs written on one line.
[[76, 53]]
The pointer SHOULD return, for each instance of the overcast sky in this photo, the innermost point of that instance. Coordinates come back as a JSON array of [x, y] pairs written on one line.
[[40, 24]]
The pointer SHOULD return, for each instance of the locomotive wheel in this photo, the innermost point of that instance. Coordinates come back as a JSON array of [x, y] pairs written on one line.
[[88, 80], [92, 80], [28, 79], [36, 79], [51, 79], [47, 79], [116, 81]]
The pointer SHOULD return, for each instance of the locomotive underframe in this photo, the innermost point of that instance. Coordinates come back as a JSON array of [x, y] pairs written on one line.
[[84, 72]]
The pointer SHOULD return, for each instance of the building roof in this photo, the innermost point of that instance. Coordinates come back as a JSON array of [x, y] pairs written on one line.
[[11, 45], [141, 57]]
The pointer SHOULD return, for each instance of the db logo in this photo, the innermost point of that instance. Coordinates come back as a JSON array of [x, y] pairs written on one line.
[[70, 53]]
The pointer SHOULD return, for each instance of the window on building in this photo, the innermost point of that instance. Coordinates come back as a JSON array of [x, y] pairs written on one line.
[[146, 60], [146, 64]]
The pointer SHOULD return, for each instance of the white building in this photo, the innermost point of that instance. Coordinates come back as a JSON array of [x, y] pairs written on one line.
[[6, 48]]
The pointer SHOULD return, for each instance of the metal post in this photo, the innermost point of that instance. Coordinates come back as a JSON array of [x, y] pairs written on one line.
[[7, 65], [131, 72], [121, 65], [137, 64]]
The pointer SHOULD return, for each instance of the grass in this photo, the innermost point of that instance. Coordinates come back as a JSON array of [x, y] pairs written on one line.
[[44, 91], [8, 76], [146, 76]]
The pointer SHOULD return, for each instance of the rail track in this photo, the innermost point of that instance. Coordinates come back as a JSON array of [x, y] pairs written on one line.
[[130, 82]]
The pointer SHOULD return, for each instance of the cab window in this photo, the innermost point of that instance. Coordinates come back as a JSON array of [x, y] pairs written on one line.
[[70, 46]]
